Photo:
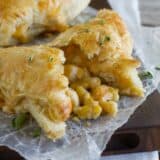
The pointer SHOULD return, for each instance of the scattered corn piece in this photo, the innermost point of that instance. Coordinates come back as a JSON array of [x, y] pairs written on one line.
[[89, 112], [109, 107]]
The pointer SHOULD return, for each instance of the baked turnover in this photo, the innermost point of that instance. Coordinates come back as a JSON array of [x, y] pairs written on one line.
[[36, 79], [32, 80], [104, 46], [22, 20]]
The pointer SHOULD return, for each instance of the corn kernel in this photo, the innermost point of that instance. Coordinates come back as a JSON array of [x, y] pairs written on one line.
[[105, 93], [109, 107], [84, 112], [97, 110], [88, 100], [89, 112], [94, 82], [81, 92], [73, 72]]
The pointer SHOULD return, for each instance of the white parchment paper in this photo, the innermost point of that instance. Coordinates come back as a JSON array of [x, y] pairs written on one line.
[[82, 142]]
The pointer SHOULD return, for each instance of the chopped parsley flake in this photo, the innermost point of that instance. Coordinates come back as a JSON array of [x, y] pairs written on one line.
[[50, 59], [36, 132], [86, 30], [103, 40], [102, 21], [145, 75], [107, 38], [30, 59], [19, 121], [157, 67]]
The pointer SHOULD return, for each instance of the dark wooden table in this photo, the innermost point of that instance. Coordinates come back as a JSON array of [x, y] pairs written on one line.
[[142, 131]]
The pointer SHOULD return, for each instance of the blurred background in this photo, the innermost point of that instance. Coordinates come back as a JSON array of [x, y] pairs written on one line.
[[150, 10]]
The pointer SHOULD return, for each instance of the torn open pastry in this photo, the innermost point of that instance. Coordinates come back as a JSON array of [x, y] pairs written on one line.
[[32, 80], [90, 97], [103, 46], [99, 66], [22, 20]]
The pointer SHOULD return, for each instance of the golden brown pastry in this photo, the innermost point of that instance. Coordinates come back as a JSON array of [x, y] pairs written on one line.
[[21, 20], [104, 46], [32, 80]]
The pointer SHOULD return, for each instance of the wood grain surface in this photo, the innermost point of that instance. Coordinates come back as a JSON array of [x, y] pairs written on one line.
[[133, 141]]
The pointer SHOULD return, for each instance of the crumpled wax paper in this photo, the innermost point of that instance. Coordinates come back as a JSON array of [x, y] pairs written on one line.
[[83, 142]]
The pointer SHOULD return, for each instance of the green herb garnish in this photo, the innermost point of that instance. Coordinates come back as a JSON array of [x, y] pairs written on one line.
[[103, 40], [19, 121], [107, 38], [50, 59], [157, 67], [30, 59], [86, 30], [36, 132], [145, 75], [102, 21]]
